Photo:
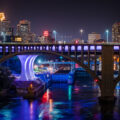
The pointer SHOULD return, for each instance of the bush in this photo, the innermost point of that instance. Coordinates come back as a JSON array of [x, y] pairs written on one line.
[[6, 78]]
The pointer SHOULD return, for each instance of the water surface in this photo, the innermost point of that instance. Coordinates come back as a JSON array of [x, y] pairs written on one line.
[[62, 102]]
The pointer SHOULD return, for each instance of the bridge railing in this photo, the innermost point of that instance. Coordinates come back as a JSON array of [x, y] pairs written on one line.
[[6, 48], [12, 48]]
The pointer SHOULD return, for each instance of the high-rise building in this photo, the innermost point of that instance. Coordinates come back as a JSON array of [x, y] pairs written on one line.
[[93, 37], [23, 27], [116, 32], [5, 29], [24, 31]]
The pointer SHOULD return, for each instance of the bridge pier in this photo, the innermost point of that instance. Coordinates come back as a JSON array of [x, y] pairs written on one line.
[[107, 84], [27, 72]]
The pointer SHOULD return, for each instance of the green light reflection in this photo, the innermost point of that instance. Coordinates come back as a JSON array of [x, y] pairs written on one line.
[[69, 92]]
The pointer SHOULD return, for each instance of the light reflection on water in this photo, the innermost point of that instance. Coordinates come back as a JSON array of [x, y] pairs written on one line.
[[62, 102]]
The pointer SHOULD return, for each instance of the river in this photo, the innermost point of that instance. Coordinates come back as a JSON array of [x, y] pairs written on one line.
[[62, 102]]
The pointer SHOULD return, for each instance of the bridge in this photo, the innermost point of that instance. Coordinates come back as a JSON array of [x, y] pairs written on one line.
[[78, 53]]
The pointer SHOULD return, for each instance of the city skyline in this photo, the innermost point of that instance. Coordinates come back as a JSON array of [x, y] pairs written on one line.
[[67, 18], [59, 59]]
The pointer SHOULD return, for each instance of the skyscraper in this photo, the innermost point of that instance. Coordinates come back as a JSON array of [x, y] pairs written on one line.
[[5, 28], [24, 31], [116, 32]]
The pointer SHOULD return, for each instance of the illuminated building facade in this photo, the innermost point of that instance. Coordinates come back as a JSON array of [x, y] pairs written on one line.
[[116, 32], [24, 31], [93, 37], [17, 39], [6, 31]]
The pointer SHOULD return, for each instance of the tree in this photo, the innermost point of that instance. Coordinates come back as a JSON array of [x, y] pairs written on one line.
[[6, 78]]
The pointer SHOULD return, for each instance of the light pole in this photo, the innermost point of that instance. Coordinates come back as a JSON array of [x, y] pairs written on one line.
[[39, 61], [81, 32], [55, 34], [107, 33], [4, 36]]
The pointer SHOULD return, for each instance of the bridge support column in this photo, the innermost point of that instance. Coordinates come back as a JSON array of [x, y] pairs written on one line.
[[27, 62], [107, 84]]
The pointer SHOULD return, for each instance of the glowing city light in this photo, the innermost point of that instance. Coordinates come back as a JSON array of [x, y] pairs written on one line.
[[69, 92], [76, 41], [50, 69], [2, 16], [51, 105], [39, 61], [107, 33], [31, 85], [81, 31], [55, 33], [45, 97], [96, 80], [114, 57], [35, 67], [46, 33], [61, 57]]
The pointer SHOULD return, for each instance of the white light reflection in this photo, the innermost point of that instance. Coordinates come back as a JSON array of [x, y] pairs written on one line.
[[46, 107], [50, 105]]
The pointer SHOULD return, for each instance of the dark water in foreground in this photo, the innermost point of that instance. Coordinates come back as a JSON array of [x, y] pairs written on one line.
[[62, 102]]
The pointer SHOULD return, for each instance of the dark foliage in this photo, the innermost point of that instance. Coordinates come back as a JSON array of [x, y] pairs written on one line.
[[6, 78]]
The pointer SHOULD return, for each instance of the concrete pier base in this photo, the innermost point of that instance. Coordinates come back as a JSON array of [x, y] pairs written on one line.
[[107, 105], [27, 72], [107, 99]]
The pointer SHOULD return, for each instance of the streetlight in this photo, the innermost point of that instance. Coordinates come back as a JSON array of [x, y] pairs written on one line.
[[55, 33], [4, 36], [81, 32], [39, 61], [107, 33]]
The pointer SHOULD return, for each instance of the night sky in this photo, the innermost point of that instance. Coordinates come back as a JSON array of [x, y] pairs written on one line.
[[67, 17]]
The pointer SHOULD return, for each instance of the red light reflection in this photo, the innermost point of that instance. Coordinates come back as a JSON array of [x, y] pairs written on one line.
[[96, 80]]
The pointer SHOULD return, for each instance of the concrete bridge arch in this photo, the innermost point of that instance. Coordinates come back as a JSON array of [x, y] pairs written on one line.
[[29, 57]]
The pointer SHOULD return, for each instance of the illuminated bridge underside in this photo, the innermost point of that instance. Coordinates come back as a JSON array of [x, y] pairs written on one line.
[[27, 72]]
